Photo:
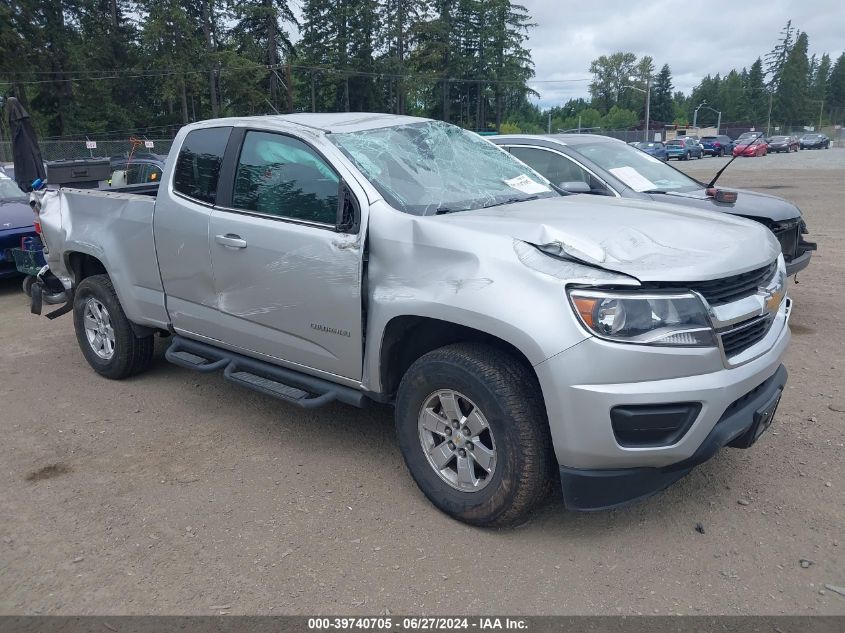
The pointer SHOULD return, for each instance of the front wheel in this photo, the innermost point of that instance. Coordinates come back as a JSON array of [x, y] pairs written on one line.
[[104, 333], [473, 431]]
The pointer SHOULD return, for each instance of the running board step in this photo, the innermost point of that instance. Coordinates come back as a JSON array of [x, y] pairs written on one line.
[[291, 386]]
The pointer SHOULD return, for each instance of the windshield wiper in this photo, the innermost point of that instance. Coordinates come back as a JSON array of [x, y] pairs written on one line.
[[654, 191], [510, 201], [445, 210]]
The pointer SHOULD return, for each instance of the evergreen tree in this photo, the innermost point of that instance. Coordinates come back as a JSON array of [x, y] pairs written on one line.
[[260, 32], [662, 107], [821, 78], [400, 20], [836, 86], [172, 31], [776, 58], [731, 97], [755, 101], [792, 89]]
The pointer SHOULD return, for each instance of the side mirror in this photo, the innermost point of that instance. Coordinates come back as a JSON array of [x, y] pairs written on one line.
[[348, 213], [720, 195], [575, 186]]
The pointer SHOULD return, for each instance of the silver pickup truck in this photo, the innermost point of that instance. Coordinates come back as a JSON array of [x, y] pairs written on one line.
[[524, 337]]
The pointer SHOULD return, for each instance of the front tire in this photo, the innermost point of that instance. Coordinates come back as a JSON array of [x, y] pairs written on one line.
[[472, 427], [104, 333]]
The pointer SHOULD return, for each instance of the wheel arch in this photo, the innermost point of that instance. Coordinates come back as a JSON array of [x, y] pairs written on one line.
[[82, 265], [408, 337]]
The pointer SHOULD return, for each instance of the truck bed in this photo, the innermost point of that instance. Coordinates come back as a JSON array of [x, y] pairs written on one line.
[[114, 227]]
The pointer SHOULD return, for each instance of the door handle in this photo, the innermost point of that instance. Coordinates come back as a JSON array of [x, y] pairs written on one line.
[[231, 240]]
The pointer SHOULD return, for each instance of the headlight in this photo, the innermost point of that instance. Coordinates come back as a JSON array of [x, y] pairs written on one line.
[[669, 320]]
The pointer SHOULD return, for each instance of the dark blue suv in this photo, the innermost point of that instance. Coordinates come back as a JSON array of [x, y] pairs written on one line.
[[720, 145]]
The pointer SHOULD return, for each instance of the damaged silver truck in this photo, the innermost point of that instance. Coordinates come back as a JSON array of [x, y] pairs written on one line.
[[524, 337]]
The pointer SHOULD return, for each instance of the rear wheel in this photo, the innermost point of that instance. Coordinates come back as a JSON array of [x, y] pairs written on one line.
[[686, 156], [28, 281], [473, 431], [104, 333]]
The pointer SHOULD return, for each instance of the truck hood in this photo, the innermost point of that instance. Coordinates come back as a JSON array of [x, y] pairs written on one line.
[[749, 204], [15, 214], [650, 242]]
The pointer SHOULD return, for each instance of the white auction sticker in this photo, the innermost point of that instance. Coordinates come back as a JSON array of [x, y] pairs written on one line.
[[526, 185], [634, 179]]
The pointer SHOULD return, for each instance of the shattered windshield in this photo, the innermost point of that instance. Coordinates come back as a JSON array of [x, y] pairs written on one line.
[[638, 170], [433, 167]]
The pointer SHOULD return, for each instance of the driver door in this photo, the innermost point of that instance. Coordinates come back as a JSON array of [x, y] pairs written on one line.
[[286, 275]]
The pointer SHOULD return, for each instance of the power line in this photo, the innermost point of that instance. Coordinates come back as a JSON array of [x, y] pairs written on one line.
[[117, 74]]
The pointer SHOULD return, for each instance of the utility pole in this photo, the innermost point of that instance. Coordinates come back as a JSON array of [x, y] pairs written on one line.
[[549, 128], [695, 114], [769, 117], [579, 124], [647, 106]]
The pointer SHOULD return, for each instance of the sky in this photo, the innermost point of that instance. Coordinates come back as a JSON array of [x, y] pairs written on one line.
[[695, 37]]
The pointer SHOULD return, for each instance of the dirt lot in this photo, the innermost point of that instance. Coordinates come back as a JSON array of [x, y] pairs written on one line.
[[180, 493]]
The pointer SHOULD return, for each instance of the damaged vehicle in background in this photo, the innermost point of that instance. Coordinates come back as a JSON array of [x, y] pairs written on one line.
[[600, 165], [16, 223], [522, 336]]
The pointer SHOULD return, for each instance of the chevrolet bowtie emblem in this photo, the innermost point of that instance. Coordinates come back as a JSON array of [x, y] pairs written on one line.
[[773, 302]]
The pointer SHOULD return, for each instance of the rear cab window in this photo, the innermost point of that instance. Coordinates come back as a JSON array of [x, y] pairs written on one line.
[[197, 169]]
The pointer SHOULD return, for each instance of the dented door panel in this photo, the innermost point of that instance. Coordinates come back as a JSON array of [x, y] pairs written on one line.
[[293, 293]]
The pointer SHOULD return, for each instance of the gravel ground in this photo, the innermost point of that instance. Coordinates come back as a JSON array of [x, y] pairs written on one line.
[[179, 493]]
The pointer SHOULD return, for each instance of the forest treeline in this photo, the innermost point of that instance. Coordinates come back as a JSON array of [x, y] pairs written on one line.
[[115, 67]]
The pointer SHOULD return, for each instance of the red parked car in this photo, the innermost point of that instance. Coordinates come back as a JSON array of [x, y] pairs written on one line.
[[756, 147]]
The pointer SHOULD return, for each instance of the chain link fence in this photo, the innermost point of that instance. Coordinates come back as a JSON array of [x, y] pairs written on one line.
[[76, 149]]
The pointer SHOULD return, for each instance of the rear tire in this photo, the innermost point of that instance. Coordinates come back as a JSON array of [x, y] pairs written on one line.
[[27, 284], [686, 156], [492, 391], [104, 333]]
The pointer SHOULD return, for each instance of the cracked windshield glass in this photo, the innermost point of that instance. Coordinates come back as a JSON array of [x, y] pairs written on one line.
[[433, 167], [637, 169]]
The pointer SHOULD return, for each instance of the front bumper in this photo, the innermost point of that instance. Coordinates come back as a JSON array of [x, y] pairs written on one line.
[[585, 489], [798, 264], [584, 383]]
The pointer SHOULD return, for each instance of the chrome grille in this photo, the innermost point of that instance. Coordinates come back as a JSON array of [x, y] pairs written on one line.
[[727, 289], [738, 339]]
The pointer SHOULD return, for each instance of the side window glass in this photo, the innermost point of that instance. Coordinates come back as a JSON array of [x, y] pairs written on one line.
[[282, 176], [198, 166], [134, 174], [557, 168]]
